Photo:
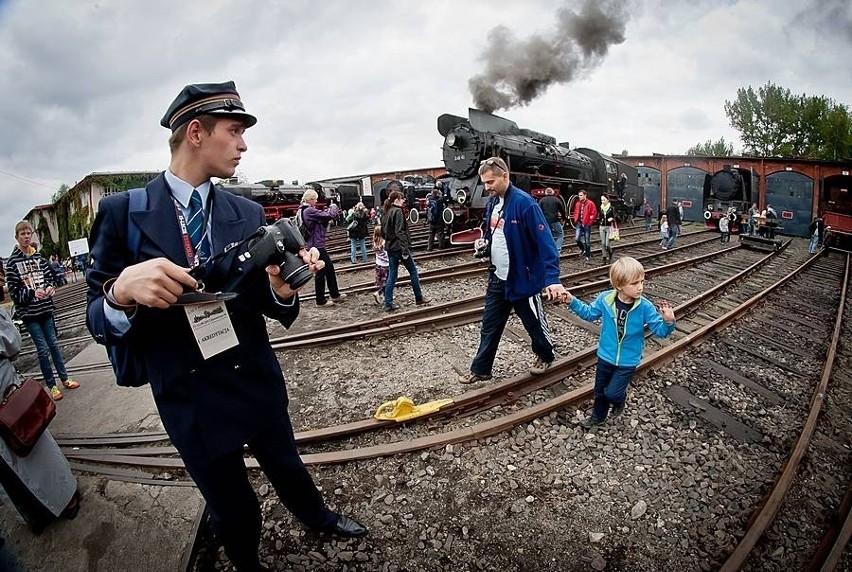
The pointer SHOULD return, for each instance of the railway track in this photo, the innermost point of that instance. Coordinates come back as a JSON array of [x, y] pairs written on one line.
[[743, 318]]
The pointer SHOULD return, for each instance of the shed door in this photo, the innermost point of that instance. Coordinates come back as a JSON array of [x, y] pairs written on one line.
[[649, 182], [791, 195], [687, 184]]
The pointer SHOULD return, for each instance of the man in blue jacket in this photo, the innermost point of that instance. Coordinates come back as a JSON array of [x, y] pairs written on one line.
[[215, 391], [524, 261]]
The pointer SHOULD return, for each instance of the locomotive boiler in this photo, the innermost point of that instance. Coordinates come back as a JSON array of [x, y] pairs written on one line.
[[536, 161]]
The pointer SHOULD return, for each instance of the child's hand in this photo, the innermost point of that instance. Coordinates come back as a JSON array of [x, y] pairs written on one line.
[[667, 312]]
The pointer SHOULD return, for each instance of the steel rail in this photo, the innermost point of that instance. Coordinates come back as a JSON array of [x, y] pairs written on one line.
[[480, 399], [776, 497]]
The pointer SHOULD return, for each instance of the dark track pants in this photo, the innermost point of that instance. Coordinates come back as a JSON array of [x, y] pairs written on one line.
[[494, 318]]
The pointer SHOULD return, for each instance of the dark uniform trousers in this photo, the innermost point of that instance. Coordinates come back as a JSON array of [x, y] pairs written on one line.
[[210, 408]]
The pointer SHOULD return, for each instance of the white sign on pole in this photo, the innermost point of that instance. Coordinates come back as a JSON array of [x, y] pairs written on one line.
[[78, 247]]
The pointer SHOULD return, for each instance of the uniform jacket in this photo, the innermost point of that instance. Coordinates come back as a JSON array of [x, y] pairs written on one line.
[[590, 212], [232, 396], [627, 351], [24, 274], [533, 259]]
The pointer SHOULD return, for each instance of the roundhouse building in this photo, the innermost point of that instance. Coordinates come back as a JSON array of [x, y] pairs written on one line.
[[798, 189]]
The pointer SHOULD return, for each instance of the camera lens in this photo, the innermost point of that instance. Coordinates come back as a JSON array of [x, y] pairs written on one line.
[[294, 271]]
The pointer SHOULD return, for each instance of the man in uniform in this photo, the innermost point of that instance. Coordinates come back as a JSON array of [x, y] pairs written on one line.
[[214, 394]]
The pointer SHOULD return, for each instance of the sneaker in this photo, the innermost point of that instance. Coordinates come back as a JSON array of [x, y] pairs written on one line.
[[474, 377], [70, 384], [55, 393], [617, 410], [328, 304], [339, 298], [391, 308], [540, 366], [379, 298], [590, 422], [422, 301]]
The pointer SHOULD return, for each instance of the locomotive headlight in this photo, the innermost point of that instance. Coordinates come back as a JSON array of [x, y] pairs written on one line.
[[453, 140]]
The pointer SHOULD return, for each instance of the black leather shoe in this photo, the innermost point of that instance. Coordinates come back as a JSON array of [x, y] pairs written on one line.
[[347, 527]]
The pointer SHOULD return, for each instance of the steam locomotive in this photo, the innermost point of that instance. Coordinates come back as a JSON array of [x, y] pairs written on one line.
[[536, 161], [728, 188]]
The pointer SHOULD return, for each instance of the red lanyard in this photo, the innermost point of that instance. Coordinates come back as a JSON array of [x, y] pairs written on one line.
[[191, 253]]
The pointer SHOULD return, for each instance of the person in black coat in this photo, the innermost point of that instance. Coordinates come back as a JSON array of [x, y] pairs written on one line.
[[226, 390]]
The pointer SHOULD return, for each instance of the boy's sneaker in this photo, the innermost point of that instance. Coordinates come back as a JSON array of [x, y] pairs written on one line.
[[590, 422], [55, 393], [617, 410], [474, 377], [70, 384], [540, 366]]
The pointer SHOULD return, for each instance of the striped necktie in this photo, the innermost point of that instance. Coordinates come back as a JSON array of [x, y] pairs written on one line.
[[195, 227]]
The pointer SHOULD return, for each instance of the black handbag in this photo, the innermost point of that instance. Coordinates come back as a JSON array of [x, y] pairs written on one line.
[[25, 413]]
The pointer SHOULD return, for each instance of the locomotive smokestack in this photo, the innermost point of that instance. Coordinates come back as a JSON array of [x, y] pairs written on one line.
[[518, 71]]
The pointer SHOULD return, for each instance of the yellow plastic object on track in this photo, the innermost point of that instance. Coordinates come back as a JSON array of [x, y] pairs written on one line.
[[403, 409]]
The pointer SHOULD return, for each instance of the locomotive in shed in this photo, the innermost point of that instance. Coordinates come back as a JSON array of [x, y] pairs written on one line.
[[536, 161], [730, 187]]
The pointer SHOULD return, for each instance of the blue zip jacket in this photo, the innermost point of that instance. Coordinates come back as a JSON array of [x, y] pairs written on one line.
[[533, 260], [627, 351]]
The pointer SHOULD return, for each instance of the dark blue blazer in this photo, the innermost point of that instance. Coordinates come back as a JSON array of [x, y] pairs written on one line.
[[209, 407]]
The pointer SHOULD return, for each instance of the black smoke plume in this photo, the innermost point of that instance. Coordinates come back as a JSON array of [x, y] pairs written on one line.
[[518, 71]]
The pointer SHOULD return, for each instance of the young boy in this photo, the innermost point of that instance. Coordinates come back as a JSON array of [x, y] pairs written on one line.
[[624, 313]]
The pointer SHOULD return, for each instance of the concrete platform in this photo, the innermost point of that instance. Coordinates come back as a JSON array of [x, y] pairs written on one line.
[[121, 526]]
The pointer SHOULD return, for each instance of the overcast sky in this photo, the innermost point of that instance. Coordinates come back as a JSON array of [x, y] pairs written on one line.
[[345, 87]]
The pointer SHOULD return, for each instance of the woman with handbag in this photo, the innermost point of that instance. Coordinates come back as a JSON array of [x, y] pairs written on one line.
[[39, 486], [607, 224]]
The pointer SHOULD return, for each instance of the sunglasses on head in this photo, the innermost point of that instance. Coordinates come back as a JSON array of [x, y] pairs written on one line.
[[492, 163]]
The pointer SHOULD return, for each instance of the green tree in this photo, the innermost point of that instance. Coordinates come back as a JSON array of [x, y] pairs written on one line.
[[772, 121], [63, 188], [720, 148]]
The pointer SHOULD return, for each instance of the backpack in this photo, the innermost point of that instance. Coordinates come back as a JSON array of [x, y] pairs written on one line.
[[299, 222], [433, 212], [129, 369]]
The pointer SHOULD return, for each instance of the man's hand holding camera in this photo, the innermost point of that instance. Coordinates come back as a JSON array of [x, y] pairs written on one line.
[[156, 283], [311, 257]]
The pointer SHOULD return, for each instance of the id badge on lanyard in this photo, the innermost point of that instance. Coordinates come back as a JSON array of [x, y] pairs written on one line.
[[210, 322]]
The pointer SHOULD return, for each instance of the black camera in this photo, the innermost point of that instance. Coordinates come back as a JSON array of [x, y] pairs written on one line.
[[278, 243], [483, 250], [246, 261]]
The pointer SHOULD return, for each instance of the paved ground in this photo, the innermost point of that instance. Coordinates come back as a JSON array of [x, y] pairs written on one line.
[[120, 526]]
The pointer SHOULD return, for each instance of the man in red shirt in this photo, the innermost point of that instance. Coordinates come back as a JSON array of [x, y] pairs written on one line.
[[585, 214]]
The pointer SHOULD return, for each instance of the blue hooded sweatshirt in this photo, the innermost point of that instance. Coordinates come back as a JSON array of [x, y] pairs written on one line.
[[627, 351]]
